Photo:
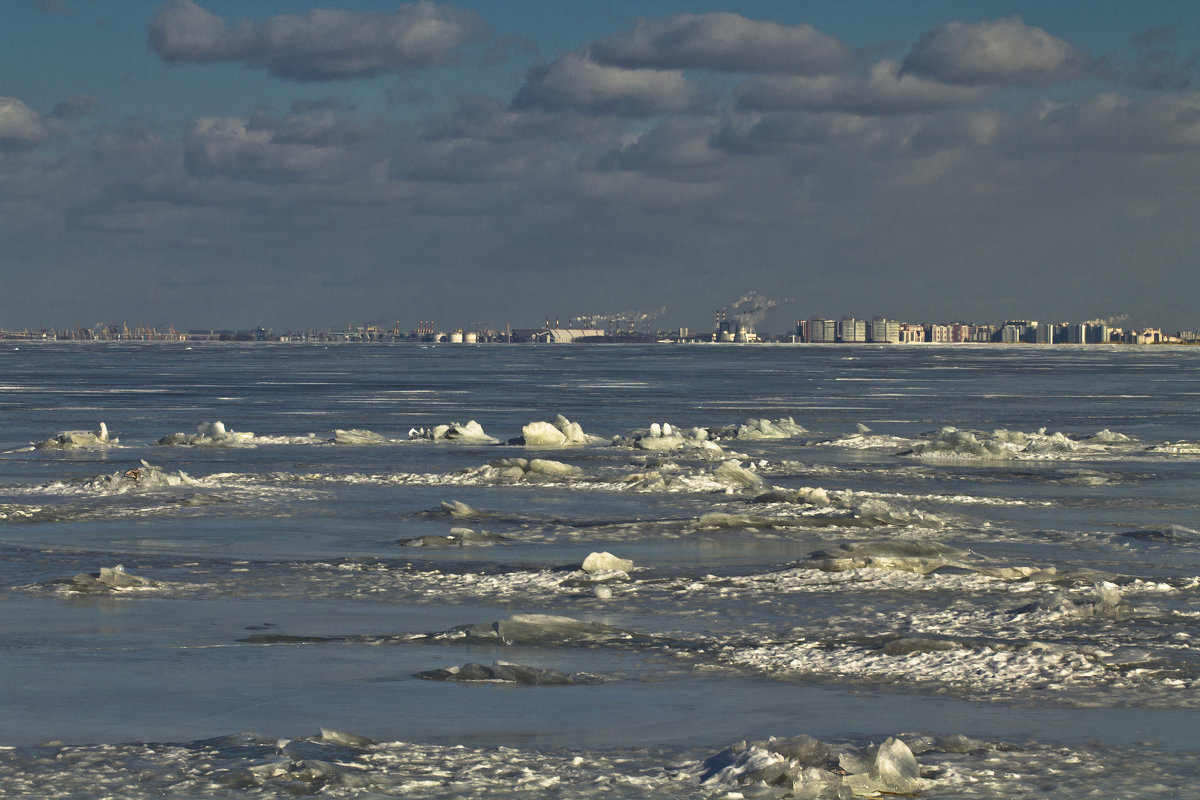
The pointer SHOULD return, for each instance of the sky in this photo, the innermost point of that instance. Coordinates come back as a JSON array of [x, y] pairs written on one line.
[[301, 164]]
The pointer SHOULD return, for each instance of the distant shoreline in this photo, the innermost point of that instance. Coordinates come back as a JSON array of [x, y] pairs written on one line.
[[17, 340]]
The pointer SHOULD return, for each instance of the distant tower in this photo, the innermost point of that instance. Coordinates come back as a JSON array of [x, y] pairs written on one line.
[[721, 324]]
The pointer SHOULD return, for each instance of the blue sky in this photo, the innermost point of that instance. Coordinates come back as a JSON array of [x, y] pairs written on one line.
[[295, 163]]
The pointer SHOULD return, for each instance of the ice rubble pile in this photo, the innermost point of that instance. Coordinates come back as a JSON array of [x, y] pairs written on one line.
[[735, 476], [601, 563], [919, 557], [808, 768], [79, 440], [864, 439], [665, 476], [970, 666], [457, 537], [1107, 603], [560, 432], [360, 436], [925, 557], [505, 672], [139, 478], [108, 579], [522, 470], [951, 442], [460, 510], [1109, 437], [664, 436], [783, 428], [534, 629], [297, 766], [1181, 448], [822, 507], [598, 571], [470, 433], [1170, 533], [729, 520], [209, 434]]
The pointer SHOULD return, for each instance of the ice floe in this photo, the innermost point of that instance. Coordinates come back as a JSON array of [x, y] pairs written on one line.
[[1169, 533], [140, 478], [107, 580], [804, 767], [80, 440], [821, 507], [1179, 448], [1107, 604], [460, 510], [341, 764], [606, 562], [522, 470], [506, 672], [952, 443], [457, 537], [209, 434], [919, 557], [666, 437], [864, 439], [993, 671], [360, 436], [470, 433], [533, 629], [783, 428], [560, 432]]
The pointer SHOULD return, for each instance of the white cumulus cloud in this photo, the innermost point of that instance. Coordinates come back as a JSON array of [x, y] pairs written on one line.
[[324, 44], [575, 81], [1004, 52], [883, 90], [20, 125], [723, 41]]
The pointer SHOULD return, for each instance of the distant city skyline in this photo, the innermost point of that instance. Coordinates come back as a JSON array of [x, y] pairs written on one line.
[[728, 326], [293, 163]]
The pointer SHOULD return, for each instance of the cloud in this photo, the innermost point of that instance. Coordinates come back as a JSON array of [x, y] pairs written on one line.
[[611, 173], [823, 133], [315, 147], [74, 107], [1004, 52], [884, 90], [474, 162], [1111, 124], [725, 42], [1157, 66], [480, 117], [575, 81], [20, 125], [325, 44], [678, 147], [483, 141]]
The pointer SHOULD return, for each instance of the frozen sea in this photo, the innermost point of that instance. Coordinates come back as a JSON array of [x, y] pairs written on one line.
[[366, 571]]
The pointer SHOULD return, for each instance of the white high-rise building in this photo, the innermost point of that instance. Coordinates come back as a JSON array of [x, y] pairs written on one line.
[[822, 330], [852, 330], [883, 331]]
